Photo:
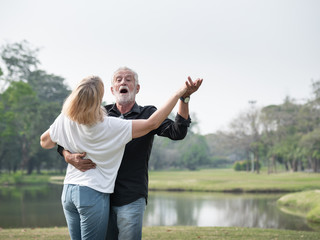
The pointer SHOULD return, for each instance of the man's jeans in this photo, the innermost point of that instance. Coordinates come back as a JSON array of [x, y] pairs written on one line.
[[125, 222], [86, 211]]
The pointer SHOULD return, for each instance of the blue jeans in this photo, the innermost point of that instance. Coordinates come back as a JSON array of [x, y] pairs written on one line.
[[86, 211], [125, 222]]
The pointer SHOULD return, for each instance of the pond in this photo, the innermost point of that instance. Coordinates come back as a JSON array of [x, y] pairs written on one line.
[[41, 207]]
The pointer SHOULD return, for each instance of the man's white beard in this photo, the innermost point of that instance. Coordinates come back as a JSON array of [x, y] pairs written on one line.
[[125, 99]]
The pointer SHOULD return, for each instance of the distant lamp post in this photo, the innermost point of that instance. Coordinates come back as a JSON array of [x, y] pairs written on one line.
[[252, 104]]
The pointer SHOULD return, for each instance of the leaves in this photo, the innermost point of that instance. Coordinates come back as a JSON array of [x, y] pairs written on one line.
[[28, 106]]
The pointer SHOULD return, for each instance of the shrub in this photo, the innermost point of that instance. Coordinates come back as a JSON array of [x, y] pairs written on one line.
[[244, 165]]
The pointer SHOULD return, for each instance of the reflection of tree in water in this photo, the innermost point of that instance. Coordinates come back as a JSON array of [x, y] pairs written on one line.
[[161, 211], [244, 212], [259, 213], [35, 206], [224, 210], [187, 210], [172, 209]]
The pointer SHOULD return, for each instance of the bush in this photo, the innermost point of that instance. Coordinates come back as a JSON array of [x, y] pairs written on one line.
[[245, 165], [18, 177]]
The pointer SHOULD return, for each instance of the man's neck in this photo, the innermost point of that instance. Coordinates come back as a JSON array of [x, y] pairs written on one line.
[[124, 108]]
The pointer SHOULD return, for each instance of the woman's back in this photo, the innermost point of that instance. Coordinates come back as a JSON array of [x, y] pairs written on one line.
[[104, 144]]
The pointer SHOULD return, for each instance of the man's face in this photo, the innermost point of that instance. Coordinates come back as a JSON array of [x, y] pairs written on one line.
[[124, 88]]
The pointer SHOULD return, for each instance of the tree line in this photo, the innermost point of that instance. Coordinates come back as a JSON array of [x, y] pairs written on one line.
[[285, 135], [277, 137]]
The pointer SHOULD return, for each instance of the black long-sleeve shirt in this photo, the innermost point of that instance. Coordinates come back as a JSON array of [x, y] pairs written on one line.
[[132, 179]]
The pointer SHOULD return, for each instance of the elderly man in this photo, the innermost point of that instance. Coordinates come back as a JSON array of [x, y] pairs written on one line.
[[128, 202]]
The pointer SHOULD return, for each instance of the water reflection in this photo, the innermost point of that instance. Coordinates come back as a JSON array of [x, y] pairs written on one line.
[[38, 206], [218, 209], [41, 207]]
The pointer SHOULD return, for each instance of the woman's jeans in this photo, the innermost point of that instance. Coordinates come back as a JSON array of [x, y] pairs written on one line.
[[86, 211], [125, 222]]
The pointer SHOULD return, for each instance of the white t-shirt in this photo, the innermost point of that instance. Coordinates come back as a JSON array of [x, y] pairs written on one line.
[[104, 144]]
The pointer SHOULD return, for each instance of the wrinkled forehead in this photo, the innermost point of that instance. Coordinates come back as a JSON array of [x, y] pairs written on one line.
[[124, 73]]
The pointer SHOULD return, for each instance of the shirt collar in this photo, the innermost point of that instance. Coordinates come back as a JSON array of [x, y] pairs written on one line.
[[134, 109]]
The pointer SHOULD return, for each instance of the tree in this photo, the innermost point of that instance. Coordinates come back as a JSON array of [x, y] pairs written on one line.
[[20, 59], [282, 131], [194, 152], [191, 153], [245, 134], [19, 102], [222, 150], [164, 154], [310, 144], [30, 101], [49, 87]]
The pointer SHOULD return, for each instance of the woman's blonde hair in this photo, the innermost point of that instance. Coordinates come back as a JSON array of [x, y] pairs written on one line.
[[83, 105]]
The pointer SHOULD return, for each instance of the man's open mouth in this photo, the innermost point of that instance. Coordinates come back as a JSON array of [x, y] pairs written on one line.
[[123, 90]]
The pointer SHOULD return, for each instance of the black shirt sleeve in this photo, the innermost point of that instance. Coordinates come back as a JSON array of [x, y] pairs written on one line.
[[175, 130], [60, 150]]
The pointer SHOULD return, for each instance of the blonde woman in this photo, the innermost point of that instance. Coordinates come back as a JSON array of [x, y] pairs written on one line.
[[83, 126]]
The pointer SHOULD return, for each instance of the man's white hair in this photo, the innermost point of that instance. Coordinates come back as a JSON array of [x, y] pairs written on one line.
[[135, 75]]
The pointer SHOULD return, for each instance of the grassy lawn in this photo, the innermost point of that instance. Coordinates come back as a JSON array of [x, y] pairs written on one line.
[[305, 204], [225, 180], [169, 233], [216, 180], [19, 178], [185, 233]]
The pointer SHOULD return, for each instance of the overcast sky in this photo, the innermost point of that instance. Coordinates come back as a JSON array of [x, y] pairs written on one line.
[[262, 50]]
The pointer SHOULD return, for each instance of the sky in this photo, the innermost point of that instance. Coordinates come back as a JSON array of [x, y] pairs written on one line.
[[245, 50]]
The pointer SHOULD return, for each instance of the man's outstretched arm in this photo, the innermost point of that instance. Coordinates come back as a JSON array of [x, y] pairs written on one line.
[[193, 86], [177, 129]]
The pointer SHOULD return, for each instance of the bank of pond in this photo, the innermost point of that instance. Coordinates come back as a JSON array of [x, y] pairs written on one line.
[[305, 204]]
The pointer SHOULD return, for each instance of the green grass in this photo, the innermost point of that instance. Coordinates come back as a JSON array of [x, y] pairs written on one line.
[[215, 180], [20, 178], [169, 233], [305, 204], [228, 180]]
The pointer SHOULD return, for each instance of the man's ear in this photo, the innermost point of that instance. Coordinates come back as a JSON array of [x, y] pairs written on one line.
[[137, 88], [111, 88]]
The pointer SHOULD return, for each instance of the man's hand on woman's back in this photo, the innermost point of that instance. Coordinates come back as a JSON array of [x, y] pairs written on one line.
[[76, 160]]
